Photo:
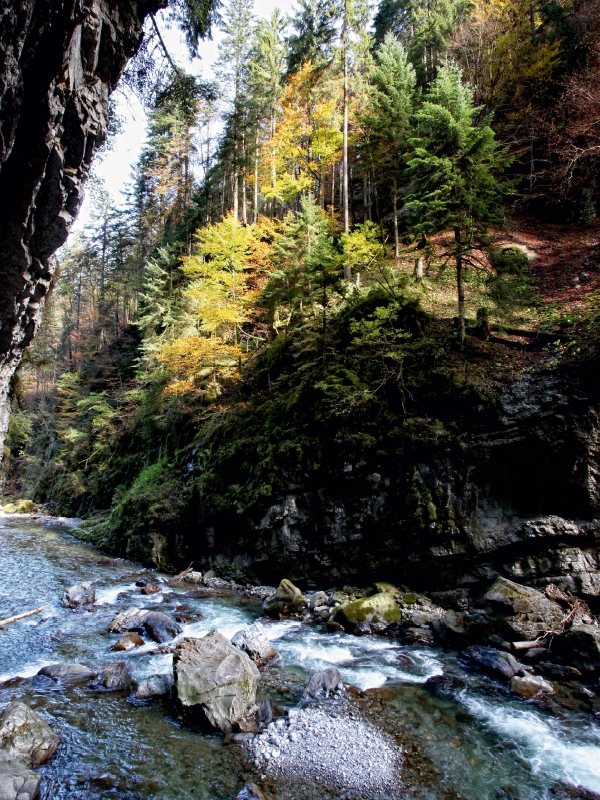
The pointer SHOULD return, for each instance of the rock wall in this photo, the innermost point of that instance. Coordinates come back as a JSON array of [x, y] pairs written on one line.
[[519, 497], [59, 62]]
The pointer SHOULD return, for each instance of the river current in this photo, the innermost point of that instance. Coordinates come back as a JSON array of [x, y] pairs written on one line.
[[470, 741]]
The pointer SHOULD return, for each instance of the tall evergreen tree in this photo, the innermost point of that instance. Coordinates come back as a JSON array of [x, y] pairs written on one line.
[[388, 119], [314, 33], [455, 169]]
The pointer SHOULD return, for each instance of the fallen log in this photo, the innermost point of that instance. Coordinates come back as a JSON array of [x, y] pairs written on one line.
[[529, 645], [17, 617]]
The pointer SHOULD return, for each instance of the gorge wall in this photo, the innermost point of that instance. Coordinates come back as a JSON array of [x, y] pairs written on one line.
[[517, 495], [59, 62]]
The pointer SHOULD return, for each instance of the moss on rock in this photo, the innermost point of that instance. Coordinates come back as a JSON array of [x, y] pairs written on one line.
[[380, 607]]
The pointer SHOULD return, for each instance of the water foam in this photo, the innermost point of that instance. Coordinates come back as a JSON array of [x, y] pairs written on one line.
[[550, 747]]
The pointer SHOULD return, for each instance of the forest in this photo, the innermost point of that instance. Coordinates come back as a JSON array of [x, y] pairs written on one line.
[[341, 244]]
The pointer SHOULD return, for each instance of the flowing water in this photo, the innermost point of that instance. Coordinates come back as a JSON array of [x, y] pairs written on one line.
[[470, 741]]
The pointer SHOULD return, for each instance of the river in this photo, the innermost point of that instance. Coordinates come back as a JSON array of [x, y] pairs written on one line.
[[470, 741]]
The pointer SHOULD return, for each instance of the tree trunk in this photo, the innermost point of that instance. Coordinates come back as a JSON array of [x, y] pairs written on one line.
[[419, 268], [395, 212], [460, 287], [256, 182], [347, 269]]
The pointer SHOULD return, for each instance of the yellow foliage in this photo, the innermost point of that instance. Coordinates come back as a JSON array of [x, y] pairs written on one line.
[[227, 272], [306, 141]]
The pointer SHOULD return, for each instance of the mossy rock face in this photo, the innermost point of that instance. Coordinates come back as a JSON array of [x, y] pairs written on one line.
[[287, 600], [9, 508], [410, 598], [388, 588], [380, 607], [24, 506]]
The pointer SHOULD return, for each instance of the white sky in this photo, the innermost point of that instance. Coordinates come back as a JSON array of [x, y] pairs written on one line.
[[116, 166]]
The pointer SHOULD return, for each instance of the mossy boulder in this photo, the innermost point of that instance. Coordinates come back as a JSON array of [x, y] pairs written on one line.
[[581, 645], [380, 607], [24, 506], [9, 508], [529, 613], [287, 601], [388, 588]]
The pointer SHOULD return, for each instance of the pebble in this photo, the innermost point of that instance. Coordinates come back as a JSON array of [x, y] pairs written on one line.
[[328, 746]]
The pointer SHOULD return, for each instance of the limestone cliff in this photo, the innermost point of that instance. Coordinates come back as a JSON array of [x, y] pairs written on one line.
[[59, 62]]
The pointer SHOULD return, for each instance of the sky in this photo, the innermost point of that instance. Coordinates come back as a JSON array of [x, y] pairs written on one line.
[[116, 165]]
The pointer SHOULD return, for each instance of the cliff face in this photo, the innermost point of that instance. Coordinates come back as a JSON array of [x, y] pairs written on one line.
[[59, 61], [519, 496]]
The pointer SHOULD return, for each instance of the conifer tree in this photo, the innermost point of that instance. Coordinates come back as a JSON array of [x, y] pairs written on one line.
[[455, 168], [388, 118]]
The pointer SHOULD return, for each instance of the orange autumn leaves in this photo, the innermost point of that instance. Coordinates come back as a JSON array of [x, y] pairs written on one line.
[[226, 274]]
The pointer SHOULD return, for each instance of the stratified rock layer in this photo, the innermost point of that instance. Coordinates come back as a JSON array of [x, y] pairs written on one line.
[[59, 61]]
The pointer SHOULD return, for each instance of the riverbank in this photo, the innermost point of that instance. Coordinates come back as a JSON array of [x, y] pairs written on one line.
[[457, 730]]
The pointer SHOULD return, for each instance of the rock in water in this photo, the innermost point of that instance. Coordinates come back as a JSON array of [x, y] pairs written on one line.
[[582, 645], [317, 599], [81, 595], [380, 607], [67, 673], [160, 627], [253, 641], [26, 736], [130, 620], [530, 685], [128, 641], [286, 601], [322, 684], [154, 686], [115, 678], [16, 781], [217, 677], [533, 614], [251, 792], [499, 664]]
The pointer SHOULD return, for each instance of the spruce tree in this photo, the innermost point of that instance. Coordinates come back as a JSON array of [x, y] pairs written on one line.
[[388, 118], [455, 167]]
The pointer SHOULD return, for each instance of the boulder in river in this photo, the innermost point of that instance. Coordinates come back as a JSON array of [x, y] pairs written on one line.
[[529, 613], [193, 577], [253, 641], [581, 645], [154, 686], [25, 735], [151, 588], [380, 607], [217, 678], [81, 595], [115, 678], [287, 601], [17, 782], [322, 684], [161, 627], [129, 641], [67, 673], [317, 599], [251, 792], [130, 620], [530, 685], [497, 663]]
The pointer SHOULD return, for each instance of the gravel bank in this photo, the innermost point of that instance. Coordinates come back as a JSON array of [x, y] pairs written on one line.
[[349, 757]]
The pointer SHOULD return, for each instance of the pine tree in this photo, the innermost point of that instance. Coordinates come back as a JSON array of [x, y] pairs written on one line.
[[455, 168], [314, 34], [388, 119]]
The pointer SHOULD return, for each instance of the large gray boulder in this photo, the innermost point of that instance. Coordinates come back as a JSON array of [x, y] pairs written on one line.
[[581, 645], [81, 595], [287, 601], [217, 678], [254, 641], [160, 627], [26, 736], [529, 613], [130, 620], [495, 662], [67, 673], [154, 686], [16, 781]]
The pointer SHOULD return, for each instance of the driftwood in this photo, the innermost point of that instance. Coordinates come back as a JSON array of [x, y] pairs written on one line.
[[17, 617], [529, 645]]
